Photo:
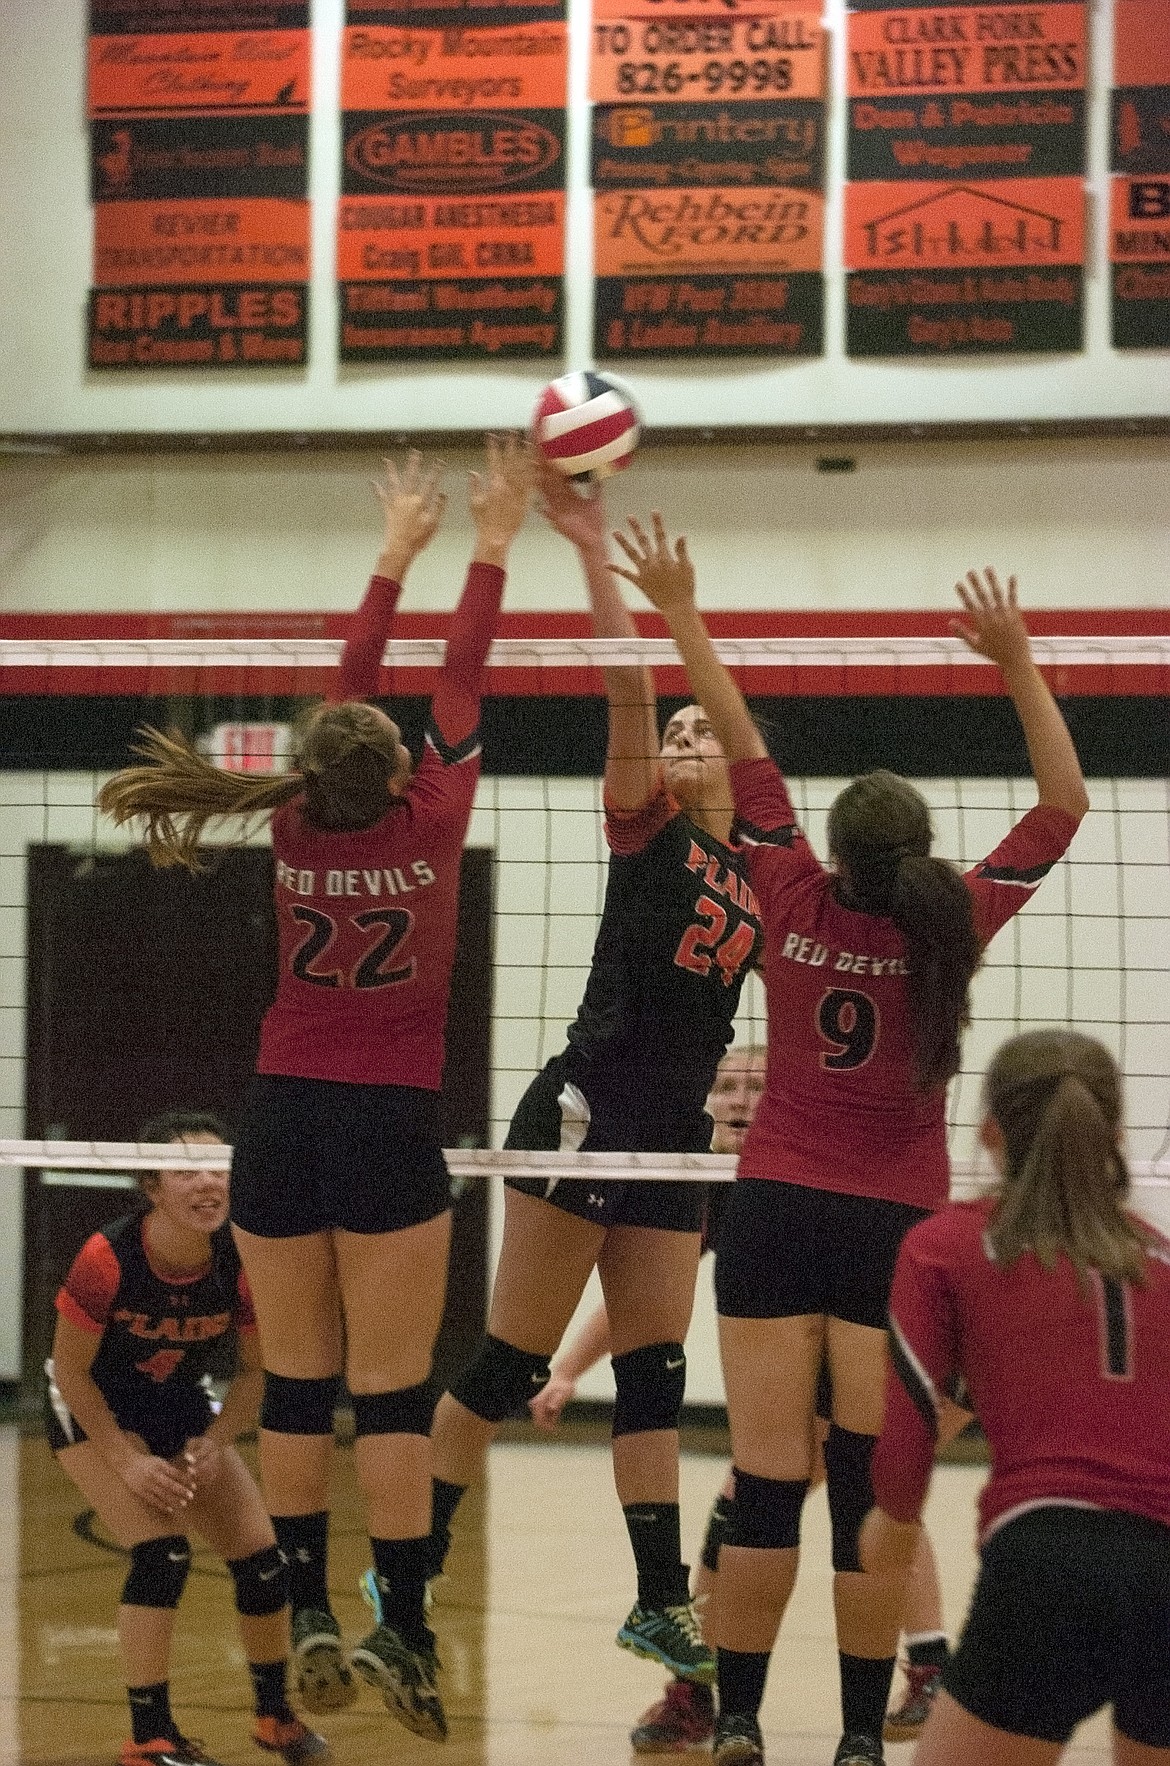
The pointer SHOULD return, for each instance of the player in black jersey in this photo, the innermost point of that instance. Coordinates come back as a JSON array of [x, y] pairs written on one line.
[[154, 1306], [679, 931]]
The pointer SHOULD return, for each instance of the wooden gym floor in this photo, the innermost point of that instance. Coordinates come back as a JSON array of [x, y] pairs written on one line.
[[539, 1580]]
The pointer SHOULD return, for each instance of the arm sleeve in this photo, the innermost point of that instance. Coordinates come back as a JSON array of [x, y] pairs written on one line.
[[454, 724], [1010, 876], [763, 807], [628, 831], [922, 1368], [361, 659], [88, 1291]]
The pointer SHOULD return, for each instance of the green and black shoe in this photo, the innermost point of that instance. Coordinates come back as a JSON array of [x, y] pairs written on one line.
[[320, 1674], [405, 1675], [671, 1636]]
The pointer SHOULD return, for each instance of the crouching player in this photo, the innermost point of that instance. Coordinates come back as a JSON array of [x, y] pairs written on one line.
[[147, 1315]]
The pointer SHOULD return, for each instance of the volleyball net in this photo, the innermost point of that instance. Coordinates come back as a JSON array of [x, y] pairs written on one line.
[[1091, 949]]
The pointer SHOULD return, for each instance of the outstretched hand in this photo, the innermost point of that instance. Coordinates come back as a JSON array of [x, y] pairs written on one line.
[[412, 507], [578, 515], [499, 496], [666, 577], [994, 626]]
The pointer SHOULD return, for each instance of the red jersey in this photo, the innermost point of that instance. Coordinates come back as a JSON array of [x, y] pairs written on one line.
[[1071, 1385], [366, 920], [842, 1109]]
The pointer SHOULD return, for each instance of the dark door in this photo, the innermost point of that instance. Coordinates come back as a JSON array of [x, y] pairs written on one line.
[[145, 993]]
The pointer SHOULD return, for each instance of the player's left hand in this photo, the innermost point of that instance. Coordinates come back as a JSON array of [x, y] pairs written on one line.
[[551, 1400], [202, 1459], [664, 574], [886, 1546]]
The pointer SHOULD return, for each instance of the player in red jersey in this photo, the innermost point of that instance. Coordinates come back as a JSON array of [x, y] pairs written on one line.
[[867, 967], [340, 1196], [678, 933], [1052, 1301], [153, 1306]]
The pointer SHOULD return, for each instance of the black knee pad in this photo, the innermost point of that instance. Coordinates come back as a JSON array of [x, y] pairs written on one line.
[[650, 1385], [500, 1380], [158, 1572], [848, 1457], [407, 1411], [766, 1513], [261, 1582], [298, 1407], [718, 1522]]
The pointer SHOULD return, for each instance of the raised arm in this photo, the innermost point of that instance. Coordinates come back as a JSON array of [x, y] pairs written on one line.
[[994, 628], [667, 578], [499, 498], [631, 762], [412, 507]]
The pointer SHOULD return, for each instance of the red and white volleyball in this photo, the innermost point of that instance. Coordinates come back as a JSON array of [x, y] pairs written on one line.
[[586, 425]]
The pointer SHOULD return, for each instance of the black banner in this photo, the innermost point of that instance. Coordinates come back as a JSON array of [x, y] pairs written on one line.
[[242, 325], [447, 320], [966, 312], [711, 315], [984, 135], [161, 157], [424, 153], [677, 146], [110, 18]]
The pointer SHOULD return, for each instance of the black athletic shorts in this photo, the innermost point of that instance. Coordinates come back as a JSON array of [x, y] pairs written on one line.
[[1071, 1612], [554, 1114], [786, 1249], [183, 1411], [315, 1154]]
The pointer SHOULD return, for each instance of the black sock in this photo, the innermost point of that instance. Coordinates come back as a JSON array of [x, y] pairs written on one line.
[[150, 1713], [656, 1536], [445, 1499], [401, 1566], [865, 1693], [304, 1542], [742, 1674], [268, 1684], [929, 1651]]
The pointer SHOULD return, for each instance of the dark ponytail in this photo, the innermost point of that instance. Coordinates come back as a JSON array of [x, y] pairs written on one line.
[[880, 834]]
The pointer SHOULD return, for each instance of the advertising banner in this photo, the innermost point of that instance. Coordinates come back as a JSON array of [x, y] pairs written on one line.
[[708, 174], [1139, 205], [964, 210], [199, 178], [450, 235]]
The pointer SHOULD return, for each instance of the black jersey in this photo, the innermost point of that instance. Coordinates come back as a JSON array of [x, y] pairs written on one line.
[[679, 931], [161, 1335]]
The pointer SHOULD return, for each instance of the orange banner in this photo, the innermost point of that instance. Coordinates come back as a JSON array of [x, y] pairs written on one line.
[[1141, 43], [966, 49], [383, 240], [706, 232], [206, 72], [728, 56], [1005, 225], [1139, 219], [456, 68], [251, 240]]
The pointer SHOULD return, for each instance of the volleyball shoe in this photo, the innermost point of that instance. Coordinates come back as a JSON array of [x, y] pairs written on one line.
[[683, 1718], [670, 1636], [403, 1674], [320, 1674]]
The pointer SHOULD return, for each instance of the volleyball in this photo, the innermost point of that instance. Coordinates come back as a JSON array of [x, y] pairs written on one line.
[[586, 425]]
